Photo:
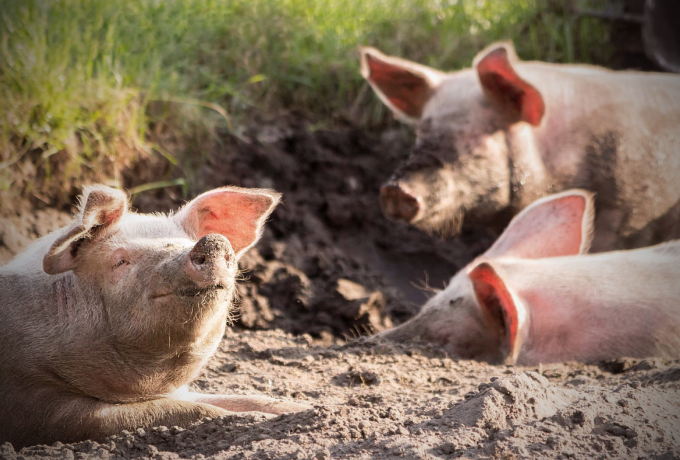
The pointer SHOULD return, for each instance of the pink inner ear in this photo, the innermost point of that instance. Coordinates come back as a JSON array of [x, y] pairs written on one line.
[[407, 91], [548, 228], [235, 215], [503, 84], [496, 302]]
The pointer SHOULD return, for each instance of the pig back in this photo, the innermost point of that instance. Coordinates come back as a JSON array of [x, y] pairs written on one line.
[[594, 307], [615, 133]]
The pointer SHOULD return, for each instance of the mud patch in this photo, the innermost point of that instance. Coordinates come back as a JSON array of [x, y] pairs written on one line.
[[330, 264]]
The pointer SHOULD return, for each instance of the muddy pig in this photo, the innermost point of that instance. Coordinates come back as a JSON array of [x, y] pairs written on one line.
[[492, 139], [105, 322], [534, 297]]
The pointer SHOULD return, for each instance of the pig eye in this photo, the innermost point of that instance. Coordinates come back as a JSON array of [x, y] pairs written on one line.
[[455, 302], [120, 263]]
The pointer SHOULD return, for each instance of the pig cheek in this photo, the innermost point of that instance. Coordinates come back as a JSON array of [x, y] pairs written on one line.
[[464, 338], [118, 275], [127, 294], [444, 332], [484, 177]]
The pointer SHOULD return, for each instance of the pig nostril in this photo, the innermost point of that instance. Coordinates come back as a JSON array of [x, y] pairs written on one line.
[[199, 259], [398, 204]]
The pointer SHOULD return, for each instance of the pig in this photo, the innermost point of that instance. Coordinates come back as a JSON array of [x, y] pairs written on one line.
[[492, 139], [535, 296], [105, 321]]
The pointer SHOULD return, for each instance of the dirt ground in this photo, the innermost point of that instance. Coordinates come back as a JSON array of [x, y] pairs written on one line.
[[329, 271]]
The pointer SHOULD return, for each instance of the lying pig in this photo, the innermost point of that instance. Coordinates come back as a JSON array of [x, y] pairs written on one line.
[[534, 298], [104, 322], [492, 139]]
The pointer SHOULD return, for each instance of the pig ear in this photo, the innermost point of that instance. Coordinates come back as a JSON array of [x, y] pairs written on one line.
[[505, 88], [504, 315], [101, 208], [236, 213], [557, 225], [402, 85]]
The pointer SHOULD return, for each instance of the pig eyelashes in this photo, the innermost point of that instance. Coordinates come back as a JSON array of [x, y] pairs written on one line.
[[417, 161], [455, 302], [119, 257], [120, 263]]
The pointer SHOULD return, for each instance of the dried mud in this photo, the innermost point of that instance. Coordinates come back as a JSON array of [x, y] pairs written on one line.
[[331, 268]]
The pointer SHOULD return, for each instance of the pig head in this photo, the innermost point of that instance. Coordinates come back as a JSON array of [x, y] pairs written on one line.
[[535, 297], [493, 138], [107, 319]]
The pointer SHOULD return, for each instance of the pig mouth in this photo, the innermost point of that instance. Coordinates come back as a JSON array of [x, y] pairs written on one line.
[[190, 292], [445, 222]]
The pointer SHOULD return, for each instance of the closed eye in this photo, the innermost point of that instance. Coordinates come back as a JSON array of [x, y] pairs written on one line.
[[120, 263], [455, 302]]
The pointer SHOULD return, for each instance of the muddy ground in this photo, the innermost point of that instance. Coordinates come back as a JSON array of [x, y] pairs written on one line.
[[330, 270]]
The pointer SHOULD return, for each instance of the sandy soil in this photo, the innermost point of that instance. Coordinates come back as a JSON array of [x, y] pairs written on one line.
[[387, 401], [331, 269]]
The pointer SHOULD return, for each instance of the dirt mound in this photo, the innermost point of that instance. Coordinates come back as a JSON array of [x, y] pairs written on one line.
[[396, 401]]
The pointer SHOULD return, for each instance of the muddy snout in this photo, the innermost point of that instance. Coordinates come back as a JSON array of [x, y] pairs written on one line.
[[211, 262], [399, 203]]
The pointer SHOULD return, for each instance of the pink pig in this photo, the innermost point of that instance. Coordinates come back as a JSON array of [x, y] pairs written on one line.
[[493, 138], [106, 321], [535, 297]]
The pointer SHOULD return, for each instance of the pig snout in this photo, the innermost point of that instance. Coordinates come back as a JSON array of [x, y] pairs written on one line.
[[211, 262], [398, 203]]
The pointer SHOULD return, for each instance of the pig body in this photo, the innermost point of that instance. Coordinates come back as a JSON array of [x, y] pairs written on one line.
[[105, 321], [492, 139], [528, 301]]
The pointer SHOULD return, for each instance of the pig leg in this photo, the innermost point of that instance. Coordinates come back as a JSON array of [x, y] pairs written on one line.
[[113, 418], [72, 419], [236, 403]]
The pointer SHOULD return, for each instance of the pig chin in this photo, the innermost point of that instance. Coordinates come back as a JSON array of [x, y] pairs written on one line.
[[195, 300], [444, 222], [193, 293]]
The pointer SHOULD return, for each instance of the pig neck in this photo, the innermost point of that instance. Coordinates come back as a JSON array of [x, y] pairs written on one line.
[[529, 179], [600, 306], [578, 107]]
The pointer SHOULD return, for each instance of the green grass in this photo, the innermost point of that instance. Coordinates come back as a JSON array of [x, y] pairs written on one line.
[[84, 85]]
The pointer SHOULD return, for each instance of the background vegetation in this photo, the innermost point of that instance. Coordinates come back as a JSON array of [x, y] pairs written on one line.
[[87, 87]]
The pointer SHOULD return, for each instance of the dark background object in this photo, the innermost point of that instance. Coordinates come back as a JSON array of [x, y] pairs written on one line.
[[661, 33], [645, 33]]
